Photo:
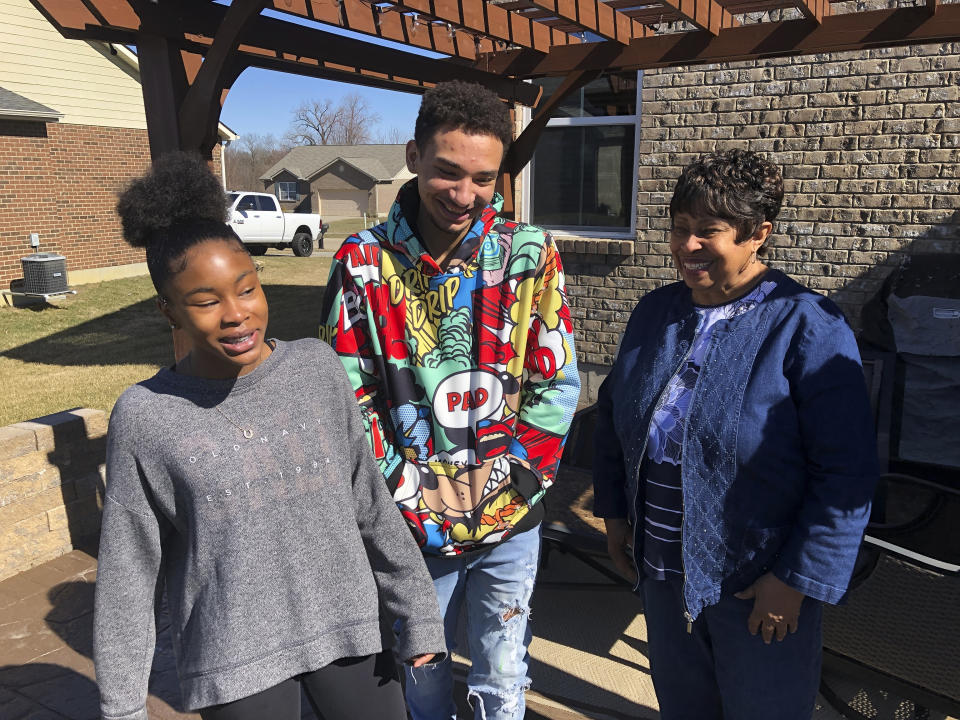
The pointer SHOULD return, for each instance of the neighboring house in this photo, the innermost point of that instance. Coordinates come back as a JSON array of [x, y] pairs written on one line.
[[869, 143], [72, 134], [339, 181]]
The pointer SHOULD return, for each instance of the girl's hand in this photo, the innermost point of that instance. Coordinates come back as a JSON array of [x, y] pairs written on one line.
[[618, 546], [421, 660], [776, 607]]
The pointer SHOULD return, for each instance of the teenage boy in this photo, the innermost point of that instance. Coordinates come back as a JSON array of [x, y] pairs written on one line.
[[454, 328]]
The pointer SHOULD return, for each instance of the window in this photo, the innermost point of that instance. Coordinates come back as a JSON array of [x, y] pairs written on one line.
[[287, 191], [583, 175], [267, 203], [247, 203]]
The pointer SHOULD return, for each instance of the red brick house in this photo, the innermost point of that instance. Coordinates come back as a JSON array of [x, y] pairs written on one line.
[[72, 133]]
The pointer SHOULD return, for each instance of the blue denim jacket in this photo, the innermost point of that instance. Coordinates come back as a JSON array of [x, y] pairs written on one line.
[[779, 456]]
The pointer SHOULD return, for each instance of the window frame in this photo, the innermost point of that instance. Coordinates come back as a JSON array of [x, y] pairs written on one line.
[[526, 186], [296, 194]]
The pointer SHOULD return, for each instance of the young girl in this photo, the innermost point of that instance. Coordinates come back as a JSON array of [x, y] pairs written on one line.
[[241, 479]]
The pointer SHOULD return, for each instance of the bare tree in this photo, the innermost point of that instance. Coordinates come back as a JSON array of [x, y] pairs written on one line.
[[320, 122], [314, 123], [356, 121], [249, 157]]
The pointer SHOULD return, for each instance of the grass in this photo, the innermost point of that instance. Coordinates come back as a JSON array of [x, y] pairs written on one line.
[[342, 228], [88, 348]]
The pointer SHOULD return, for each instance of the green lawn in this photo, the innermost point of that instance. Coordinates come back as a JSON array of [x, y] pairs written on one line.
[[342, 228], [84, 351]]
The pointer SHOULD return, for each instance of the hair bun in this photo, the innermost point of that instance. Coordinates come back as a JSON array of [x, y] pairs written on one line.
[[178, 189]]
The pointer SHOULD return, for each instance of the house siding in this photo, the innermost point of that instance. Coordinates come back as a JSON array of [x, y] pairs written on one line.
[[387, 193], [341, 177], [869, 144], [74, 77]]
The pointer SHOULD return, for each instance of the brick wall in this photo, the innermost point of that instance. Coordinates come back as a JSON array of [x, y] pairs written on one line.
[[61, 181], [51, 487], [869, 143]]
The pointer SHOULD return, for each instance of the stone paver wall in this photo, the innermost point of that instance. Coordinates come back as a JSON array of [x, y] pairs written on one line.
[[51, 487], [869, 143]]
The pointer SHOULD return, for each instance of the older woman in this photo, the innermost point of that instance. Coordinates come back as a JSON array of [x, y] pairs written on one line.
[[734, 457]]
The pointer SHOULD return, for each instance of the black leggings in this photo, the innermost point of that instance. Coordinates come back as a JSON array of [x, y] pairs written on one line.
[[349, 689]]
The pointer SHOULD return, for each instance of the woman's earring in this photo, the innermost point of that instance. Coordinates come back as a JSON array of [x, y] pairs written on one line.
[[754, 258], [173, 326]]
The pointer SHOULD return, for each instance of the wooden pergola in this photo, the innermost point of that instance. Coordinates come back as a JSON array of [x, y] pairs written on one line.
[[192, 51]]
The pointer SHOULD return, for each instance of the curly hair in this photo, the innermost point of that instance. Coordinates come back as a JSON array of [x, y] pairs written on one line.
[[739, 186], [464, 106], [176, 205]]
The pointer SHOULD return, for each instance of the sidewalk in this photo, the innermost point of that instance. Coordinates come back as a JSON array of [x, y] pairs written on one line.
[[46, 670], [588, 654]]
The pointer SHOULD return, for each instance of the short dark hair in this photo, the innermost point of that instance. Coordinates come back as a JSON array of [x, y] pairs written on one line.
[[179, 203], [740, 186], [462, 106]]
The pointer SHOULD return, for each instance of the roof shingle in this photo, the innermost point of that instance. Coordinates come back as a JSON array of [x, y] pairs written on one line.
[[13, 105], [381, 162]]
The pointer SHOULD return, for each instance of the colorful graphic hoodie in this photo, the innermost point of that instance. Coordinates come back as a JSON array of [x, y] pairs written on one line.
[[467, 376]]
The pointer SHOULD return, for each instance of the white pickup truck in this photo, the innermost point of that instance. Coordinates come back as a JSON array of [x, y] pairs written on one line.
[[258, 220]]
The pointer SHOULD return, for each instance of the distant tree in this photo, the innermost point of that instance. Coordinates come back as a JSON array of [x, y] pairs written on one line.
[[357, 121], [248, 157], [320, 122], [393, 136], [314, 123]]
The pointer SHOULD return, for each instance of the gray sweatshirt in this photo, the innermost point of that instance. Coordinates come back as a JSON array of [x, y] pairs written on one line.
[[275, 544]]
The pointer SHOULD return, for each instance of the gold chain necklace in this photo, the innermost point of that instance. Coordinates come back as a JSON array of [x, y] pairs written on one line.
[[247, 432]]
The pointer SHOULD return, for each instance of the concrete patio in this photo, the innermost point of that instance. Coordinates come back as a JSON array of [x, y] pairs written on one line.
[[588, 655]]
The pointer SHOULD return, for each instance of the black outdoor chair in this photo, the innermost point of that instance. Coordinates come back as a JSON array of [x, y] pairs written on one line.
[[576, 467], [900, 629]]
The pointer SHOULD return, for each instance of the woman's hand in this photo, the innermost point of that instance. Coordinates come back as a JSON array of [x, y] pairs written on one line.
[[421, 660], [776, 607], [618, 546]]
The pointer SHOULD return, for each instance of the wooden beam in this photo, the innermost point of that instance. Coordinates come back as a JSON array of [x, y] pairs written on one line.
[[287, 47], [816, 10], [281, 37], [853, 31], [707, 15], [199, 114], [367, 78], [490, 22], [595, 17], [472, 18]]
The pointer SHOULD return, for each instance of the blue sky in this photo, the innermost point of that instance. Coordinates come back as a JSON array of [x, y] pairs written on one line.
[[262, 101]]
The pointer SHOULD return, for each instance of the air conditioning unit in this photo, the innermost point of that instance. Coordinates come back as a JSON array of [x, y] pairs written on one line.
[[44, 273]]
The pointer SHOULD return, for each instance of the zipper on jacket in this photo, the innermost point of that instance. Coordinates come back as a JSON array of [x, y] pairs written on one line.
[[683, 509], [643, 453]]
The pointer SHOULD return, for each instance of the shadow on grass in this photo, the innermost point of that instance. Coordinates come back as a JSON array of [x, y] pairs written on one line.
[[138, 333]]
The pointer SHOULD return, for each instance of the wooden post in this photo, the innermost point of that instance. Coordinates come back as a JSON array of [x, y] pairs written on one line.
[[164, 83]]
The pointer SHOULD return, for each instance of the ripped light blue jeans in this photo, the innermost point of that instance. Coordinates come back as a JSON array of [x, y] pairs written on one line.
[[495, 585]]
